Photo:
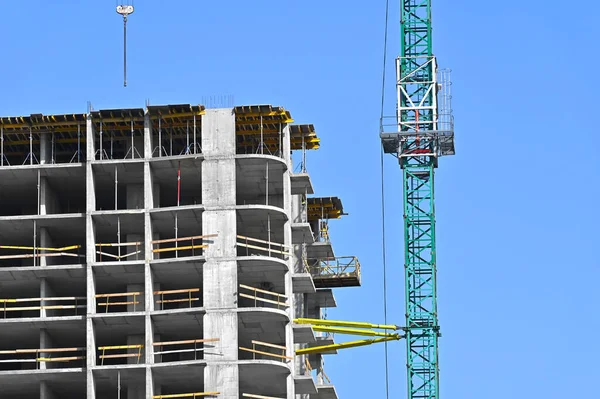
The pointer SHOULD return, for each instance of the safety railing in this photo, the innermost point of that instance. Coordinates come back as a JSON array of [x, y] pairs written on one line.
[[248, 395], [264, 347], [323, 233], [186, 395], [180, 296], [120, 302], [180, 347], [307, 367], [118, 256], [344, 266], [127, 354], [195, 244], [258, 297], [40, 252], [27, 304], [254, 246], [39, 356], [322, 376]]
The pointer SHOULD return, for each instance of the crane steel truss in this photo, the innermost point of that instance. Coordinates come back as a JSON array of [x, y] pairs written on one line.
[[424, 132]]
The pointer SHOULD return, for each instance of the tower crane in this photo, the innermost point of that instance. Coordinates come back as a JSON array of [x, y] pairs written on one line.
[[420, 133]]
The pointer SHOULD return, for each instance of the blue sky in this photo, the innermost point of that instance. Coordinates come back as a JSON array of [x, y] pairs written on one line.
[[516, 207]]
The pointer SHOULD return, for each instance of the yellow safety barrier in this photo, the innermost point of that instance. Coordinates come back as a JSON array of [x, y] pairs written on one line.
[[118, 245], [118, 295], [37, 252], [5, 308], [194, 342], [190, 298], [281, 300], [255, 352], [120, 355], [193, 246], [42, 355], [186, 395], [271, 247]]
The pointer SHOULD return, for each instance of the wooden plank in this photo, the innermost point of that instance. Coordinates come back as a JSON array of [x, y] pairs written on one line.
[[123, 244], [263, 291], [189, 341], [177, 291], [262, 249], [179, 248], [60, 359], [119, 356], [248, 395], [264, 300], [262, 241], [184, 238], [178, 300], [265, 353], [39, 256], [269, 345], [102, 348], [118, 303], [118, 294], [185, 395]]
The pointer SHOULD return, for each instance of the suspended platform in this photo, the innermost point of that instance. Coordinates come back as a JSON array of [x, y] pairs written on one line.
[[335, 272]]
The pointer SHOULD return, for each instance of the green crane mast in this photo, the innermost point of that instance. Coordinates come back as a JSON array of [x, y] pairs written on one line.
[[421, 131]]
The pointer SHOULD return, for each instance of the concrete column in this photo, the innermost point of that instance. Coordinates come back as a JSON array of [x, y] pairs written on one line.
[[147, 136], [287, 233], [139, 307], [90, 251], [135, 196], [222, 378], [46, 291], [45, 343], [46, 392], [150, 337], [45, 148], [45, 242], [220, 271], [48, 199], [152, 389], [136, 340], [149, 199]]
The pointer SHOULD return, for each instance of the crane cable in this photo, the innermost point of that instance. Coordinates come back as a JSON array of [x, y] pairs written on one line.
[[383, 248]]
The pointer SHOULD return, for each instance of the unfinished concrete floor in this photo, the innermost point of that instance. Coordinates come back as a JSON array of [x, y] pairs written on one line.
[[161, 251]]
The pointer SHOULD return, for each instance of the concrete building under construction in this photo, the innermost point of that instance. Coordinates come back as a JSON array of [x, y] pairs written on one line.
[[163, 252]]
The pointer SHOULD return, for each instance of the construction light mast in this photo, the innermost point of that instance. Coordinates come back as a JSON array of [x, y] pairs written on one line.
[[421, 131]]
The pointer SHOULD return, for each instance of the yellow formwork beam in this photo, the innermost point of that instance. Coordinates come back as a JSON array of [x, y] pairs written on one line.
[[345, 345], [340, 323], [186, 395], [353, 331]]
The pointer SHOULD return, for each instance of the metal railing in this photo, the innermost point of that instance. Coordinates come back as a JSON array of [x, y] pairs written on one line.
[[107, 304], [190, 298], [185, 346], [344, 266], [125, 348], [42, 355], [254, 246], [186, 395], [265, 346], [280, 300], [196, 244], [6, 304]]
